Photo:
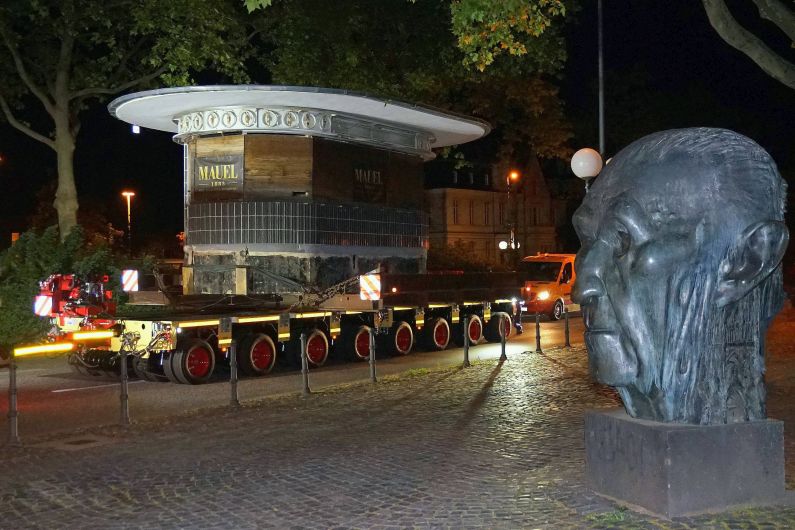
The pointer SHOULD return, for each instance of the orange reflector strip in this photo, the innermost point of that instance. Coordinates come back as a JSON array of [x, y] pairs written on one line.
[[59, 347], [198, 323], [247, 320], [88, 335]]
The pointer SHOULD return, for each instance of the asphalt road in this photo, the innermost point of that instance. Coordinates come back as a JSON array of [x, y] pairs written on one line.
[[53, 399]]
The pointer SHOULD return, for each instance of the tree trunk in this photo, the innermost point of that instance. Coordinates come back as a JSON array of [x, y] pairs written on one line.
[[66, 196], [743, 40]]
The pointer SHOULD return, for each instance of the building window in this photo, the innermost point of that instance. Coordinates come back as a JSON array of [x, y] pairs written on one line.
[[502, 213], [455, 212], [471, 212], [487, 214]]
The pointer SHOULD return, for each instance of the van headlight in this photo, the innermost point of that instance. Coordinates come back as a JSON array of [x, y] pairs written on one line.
[[543, 295]]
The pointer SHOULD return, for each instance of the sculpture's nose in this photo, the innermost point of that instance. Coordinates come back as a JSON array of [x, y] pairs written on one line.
[[589, 266]]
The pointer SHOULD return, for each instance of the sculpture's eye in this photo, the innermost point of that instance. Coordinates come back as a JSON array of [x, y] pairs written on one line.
[[623, 242]]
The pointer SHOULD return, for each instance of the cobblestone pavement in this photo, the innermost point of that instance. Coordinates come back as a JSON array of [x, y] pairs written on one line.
[[495, 446]]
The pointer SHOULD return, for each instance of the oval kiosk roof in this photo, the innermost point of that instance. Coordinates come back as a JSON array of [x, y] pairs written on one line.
[[344, 115]]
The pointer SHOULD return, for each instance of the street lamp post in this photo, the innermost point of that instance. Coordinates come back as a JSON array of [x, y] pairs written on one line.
[[513, 243], [129, 195]]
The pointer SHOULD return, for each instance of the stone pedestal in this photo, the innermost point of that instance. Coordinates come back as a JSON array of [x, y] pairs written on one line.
[[675, 470]]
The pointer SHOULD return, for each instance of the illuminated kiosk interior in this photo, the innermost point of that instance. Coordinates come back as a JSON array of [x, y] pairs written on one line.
[[310, 184]]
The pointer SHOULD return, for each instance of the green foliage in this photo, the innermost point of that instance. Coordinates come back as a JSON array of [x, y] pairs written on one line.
[[31, 259], [253, 5], [408, 51], [487, 29]]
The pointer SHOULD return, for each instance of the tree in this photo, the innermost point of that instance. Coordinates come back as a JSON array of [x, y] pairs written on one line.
[[62, 55], [486, 29], [345, 45], [779, 13]]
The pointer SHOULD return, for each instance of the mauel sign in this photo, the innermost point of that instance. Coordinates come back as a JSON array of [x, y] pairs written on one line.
[[218, 172], [368, 185]]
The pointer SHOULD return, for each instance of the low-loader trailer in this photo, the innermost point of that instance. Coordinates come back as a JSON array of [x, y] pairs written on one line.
[[188, 346]]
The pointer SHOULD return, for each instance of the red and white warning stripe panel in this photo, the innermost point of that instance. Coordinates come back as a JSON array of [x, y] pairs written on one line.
[[42, 306], [129, 280], [370, 286]]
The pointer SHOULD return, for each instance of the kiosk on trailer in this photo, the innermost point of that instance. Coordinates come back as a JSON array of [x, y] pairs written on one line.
[[303, 207]]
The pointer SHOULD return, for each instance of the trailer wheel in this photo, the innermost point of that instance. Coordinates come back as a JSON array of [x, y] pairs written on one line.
[[492, 329], [400, 338], [355, 343], [192, 362], [437, 334], [316, 347], [475, 329], [168, 369], [256, 354]]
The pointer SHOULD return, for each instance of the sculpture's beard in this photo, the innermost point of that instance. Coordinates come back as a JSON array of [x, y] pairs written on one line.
[[705, 364]]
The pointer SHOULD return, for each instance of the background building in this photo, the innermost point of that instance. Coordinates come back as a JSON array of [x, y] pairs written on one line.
[[476, 210]]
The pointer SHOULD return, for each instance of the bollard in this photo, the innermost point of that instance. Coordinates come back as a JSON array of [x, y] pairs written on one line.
[[234, 398], [566, 326], [304, 366], [503, 357], [124, 396], [13, 414], [372, 356], [538, 333], [466, 341]]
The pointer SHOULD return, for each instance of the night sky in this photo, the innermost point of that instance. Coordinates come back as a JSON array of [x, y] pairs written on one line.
[[665, 68]]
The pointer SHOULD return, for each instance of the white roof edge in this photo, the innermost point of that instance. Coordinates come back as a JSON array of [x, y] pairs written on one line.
[[157, 109]]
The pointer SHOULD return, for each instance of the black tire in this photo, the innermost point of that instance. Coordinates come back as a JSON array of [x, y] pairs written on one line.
[[140, 367], [256, 354], [492, 329], [475, 330], [168, 369], [557, 310], [192, 362], [355, 343], [436, 334]]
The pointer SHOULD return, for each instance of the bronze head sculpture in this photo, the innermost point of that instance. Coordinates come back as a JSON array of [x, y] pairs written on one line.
[[679, 274]]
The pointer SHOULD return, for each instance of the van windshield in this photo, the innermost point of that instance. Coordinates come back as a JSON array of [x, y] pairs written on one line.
[[539, 271]]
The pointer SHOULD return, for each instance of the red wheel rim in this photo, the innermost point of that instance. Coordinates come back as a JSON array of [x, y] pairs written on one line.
[[316, 349], [197, 362], [262, 355], [475, 330], [403, 339], [363, 344], [441, 334]]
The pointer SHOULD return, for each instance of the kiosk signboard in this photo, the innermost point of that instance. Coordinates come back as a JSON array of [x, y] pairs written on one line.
[[218, 173]]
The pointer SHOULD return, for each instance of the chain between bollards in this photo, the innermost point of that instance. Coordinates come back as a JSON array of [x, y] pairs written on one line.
[[566, 326], [234, 398], [503, 336], [373, 378], [304, 366], [538, 333], [124, 395], [465, 325], [13, 413]]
